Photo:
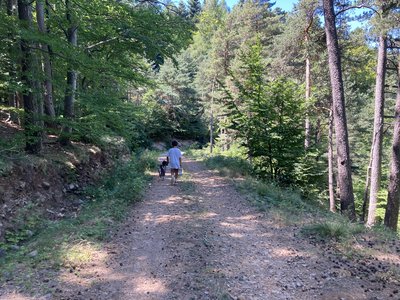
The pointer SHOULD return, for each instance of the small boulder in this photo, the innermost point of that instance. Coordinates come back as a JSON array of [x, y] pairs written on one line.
[[34, 253]]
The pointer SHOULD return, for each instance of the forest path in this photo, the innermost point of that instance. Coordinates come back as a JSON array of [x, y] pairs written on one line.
[[201, 239]]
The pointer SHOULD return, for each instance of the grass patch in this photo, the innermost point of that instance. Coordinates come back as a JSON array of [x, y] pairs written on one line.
[[229, 166], [329, 230], [72, 242]]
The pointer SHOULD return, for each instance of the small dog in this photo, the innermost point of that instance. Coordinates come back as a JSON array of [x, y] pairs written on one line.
[[161, 169]]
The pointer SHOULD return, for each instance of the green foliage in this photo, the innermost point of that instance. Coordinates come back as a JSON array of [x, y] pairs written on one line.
[[106, 205], [229, 166], [118, 41], [337, 230], [268, 118], [174, 108]]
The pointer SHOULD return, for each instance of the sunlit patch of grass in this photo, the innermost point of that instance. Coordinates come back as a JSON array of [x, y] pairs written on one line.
[[78, 254]]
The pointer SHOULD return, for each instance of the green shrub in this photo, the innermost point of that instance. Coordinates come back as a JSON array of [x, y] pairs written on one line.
[[338, 229]]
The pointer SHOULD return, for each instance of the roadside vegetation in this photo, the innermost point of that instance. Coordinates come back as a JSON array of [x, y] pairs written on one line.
[[289, 206], [69, 242]]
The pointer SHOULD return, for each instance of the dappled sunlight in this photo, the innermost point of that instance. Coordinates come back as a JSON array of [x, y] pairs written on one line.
[[170, 218], [15, 296], [284, 252], [236, 235], [207, 215], [80, 253], [169, 201], [78, 257], [145, 285]]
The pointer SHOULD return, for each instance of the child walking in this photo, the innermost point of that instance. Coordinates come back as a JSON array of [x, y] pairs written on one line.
[[174, 160]]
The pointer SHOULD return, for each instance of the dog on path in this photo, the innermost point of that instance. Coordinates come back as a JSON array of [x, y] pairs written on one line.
[[162, 168]]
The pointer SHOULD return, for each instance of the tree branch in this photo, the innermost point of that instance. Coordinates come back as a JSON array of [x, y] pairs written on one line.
[[356, 6], [101, 43]]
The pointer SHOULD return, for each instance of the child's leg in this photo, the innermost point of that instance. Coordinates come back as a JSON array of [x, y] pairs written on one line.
[[174, 175]]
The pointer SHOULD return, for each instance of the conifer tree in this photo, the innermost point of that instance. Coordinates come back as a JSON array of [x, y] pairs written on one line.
[[194, 8], [342, 141]]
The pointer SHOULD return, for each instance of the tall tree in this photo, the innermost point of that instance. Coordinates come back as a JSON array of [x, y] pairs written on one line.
[[332, 205], [32, 104], [393, 199], [12, 97], [48, 85], [69, 99], [310, 9], [377, 138], [342, 140]]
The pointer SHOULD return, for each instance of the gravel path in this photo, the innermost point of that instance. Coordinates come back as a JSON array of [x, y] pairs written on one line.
[[202, 240]]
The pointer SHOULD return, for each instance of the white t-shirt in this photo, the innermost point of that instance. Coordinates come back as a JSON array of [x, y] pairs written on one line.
[[174, 154]]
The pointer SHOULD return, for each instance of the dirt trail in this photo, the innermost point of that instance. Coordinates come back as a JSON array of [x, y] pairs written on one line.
[[202, 240]]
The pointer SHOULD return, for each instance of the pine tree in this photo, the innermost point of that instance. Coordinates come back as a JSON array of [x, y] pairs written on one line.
[[194, 8], [343, 152]]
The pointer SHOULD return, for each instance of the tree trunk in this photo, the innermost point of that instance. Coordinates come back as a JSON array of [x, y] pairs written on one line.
[[212, 119], [376, 148], [307, 138], [32, 104], [339, 114], [366, 190], [332, 206], [393, 200], [69, 98], [12, 96], [48, 85]]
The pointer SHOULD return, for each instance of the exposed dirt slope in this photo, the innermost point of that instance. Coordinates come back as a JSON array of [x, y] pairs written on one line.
[[202, 240]]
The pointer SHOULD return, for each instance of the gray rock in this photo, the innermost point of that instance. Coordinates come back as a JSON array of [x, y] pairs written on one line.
[[34, 253], [46, 185], [29, 233], [22, 185]]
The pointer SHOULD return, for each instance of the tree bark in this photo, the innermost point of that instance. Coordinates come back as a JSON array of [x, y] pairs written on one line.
[[332, 206], [307, 139], [69, 99], [12, 96], [393, 200], [212, 119], [366, 190], [32, 104], [376, 148], [48, 85], [339, 114]]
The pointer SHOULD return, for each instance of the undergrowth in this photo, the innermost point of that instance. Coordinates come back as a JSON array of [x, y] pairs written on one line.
[[289, 205], [72, 241]]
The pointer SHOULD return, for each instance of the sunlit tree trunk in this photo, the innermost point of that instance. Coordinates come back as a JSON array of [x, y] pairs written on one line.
[[339, 114], [48, 85], [332, 206], [393, 200], [376, 148], [366, 190]]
